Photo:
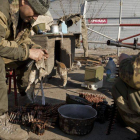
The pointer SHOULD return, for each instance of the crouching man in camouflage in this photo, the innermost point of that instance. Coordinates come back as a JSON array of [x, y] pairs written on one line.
[[15, 49], [126, 91]]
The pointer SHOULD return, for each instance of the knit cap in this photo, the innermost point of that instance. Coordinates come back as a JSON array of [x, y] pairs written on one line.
[[39, 6]]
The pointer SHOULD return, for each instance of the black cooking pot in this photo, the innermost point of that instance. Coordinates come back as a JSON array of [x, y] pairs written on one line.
[[76, 119]]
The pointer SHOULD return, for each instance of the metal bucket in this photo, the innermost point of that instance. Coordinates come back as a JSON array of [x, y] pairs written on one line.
[[54, 28], [76, 119]]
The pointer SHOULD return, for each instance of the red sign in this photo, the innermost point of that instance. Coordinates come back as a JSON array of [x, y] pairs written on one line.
[[98, 21]]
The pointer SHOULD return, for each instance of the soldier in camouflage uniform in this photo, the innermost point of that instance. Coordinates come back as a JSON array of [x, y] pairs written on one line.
[[15, 49], [126, 91]]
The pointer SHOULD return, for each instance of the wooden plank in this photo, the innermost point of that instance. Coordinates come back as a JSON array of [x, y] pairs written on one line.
[[87, 59], [98, 62]]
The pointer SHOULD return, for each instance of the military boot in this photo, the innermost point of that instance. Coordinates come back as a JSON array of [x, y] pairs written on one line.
[[9, 131]]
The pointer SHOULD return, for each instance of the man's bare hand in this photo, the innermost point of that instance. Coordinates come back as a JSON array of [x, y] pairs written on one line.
[[38, 54], [45, 54]]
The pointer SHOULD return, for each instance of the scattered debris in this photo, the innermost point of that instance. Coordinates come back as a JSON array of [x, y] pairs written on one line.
[[86, 61], [95, 60], [105, 58]]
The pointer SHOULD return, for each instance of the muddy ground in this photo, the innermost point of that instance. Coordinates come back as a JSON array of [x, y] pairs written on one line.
[[55, 94]]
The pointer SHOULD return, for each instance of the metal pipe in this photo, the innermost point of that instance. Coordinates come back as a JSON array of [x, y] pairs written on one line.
[[113, 24], [101, 34], [118, 44], [102, 24], [97, 42], [129, 24], [85, 10], [128, 37], [119, 32], [130, 43]]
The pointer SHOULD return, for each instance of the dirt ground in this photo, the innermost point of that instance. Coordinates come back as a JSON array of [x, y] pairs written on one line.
[[55, 94]]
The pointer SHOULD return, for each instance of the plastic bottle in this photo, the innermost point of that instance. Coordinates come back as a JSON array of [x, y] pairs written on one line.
[[63, 28], [110, 70]]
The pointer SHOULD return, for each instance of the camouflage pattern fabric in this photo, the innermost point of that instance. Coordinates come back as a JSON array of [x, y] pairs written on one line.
[[127, 100], [14, 48], [14, 40], [129, 71]]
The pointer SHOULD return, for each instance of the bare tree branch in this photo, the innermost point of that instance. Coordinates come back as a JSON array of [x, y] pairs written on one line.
[[62, 7]]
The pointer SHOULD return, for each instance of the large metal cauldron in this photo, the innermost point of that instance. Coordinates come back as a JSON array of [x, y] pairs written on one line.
[[76, 119]]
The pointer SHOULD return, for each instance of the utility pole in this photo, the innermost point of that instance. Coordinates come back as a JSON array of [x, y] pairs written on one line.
[[118, 49]]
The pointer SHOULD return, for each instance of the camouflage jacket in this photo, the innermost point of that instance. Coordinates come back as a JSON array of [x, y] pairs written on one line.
[[14, 41], [130, 71]]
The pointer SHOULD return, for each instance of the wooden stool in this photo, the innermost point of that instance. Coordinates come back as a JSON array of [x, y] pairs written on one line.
[[10, 73]]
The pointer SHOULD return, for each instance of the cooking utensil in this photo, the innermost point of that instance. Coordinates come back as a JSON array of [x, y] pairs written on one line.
[[76, 119], [54, 28]]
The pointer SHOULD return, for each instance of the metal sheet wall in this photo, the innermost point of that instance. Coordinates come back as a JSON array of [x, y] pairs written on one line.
[[59, 8], [110, 8], [103, 9]]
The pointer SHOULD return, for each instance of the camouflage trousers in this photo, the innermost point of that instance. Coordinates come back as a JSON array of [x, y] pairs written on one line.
[[22, 72], [3, 89], [22, 80], [127, 101]]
